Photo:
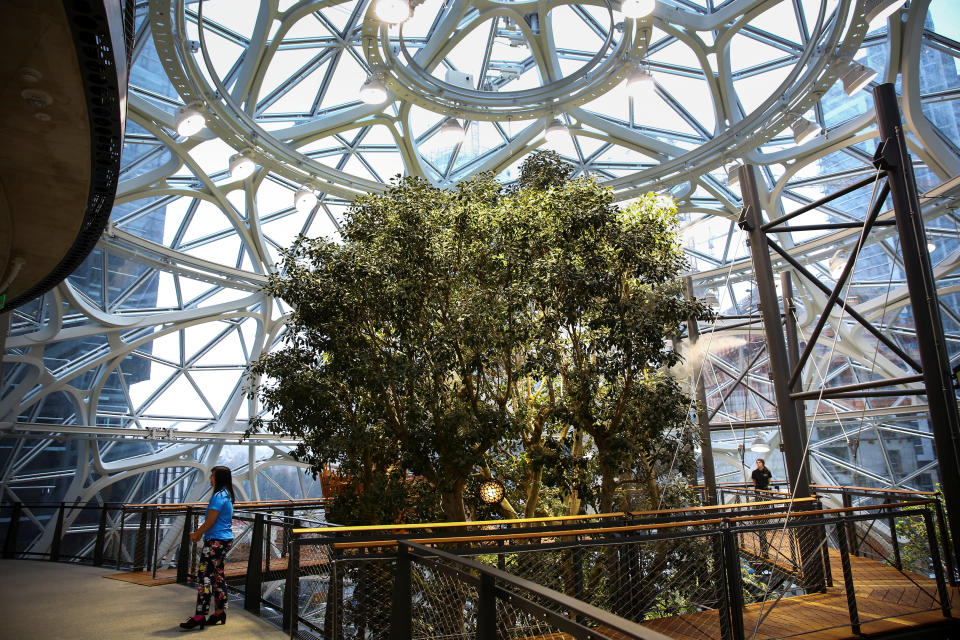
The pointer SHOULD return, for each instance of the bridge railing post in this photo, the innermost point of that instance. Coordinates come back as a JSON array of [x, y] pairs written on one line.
[[894, 541], [57, 535], [140, 546], [332, 627], [486, 609], [253, 584], [942, 592], [153, 543], [183, 553], [123, 523], [848, 578], [722, 591], [945, 541], [291, 590], [402, 600], [101, 538], [13, 532], [734, 581]]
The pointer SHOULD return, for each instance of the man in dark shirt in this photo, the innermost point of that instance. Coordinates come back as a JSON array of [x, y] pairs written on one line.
[[761, 476], [761, 482]]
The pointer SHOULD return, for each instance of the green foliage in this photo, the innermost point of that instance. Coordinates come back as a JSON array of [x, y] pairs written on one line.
[[915, 553], [914, 545], [523, 332]]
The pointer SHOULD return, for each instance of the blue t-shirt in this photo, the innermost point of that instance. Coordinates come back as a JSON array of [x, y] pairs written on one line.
[[221, 529]]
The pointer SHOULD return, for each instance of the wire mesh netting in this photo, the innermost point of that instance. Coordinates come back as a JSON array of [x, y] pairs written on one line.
[[649, 581], [335, 596], [347, 593], [761, 568], [894, 581], [843, 573], [444, 604]]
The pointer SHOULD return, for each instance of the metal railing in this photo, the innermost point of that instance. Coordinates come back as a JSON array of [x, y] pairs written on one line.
[[731, 577], [731, 570], [136, 537]]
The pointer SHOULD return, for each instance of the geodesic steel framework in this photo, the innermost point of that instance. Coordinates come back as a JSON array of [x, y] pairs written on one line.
[[127, 381]]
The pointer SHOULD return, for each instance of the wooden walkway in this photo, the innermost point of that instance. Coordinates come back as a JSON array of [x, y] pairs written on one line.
[[888, 600], [235, 571]]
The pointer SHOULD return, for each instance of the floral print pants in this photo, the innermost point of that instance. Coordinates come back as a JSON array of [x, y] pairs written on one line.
[[210, 579]]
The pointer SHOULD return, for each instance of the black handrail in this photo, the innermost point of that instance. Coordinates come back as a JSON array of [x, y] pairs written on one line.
[[722, 528], [492, 585], [812, 565]]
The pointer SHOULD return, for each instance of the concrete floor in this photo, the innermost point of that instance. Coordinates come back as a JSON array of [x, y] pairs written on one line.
[[57, 600]]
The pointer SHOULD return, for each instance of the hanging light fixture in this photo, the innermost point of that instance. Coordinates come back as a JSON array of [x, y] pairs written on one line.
[[451, 133], [304, 200], [556, 132], [641, 86], [733, 174], [392, 11], [837, 263], [760, 445], [490, 492], [636, 9], [241, 166], [372, 91], [804, 130], [931, 247], [189, 121], [877, 10], [856, 77]]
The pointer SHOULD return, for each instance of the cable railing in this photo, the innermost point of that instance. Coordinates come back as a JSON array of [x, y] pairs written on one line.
[[743, 569], [741, 575], [138, 537]]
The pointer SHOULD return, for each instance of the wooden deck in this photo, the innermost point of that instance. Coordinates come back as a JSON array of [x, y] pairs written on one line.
[[888, 600], [234, 571]]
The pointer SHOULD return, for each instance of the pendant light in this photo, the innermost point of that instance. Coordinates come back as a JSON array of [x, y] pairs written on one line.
[[241, 166], [372, 91]]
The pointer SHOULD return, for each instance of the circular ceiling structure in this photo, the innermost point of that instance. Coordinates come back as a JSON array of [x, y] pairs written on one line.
[[128, 378]]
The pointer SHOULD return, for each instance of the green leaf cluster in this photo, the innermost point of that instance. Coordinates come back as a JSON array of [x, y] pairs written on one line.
[[521, 332]]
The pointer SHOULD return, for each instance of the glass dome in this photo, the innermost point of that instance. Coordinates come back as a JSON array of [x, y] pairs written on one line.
[[127, 381]]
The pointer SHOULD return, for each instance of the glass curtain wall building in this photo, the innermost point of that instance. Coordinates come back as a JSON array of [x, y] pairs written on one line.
[[127, 380]]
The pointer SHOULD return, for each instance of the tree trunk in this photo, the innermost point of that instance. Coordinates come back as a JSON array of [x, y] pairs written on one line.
[[453, 507], [608, 486], [533, 494], [573, 500], [652, 487]]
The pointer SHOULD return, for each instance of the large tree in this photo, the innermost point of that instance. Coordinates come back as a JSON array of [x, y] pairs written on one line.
[[452, 330]]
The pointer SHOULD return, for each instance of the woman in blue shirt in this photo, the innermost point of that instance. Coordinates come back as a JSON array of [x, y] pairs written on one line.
[[217, 534]]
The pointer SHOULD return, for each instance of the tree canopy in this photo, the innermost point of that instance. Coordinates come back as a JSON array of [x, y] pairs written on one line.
[[522, 332]]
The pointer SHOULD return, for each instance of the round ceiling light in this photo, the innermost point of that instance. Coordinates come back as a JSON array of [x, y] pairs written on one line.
[[641, 85], [372, 91], [392, 11], [556, 132], [451, 133], [304, 200], [804, 130], [189, 121], [856, 78], [241, 166], [636, 9]]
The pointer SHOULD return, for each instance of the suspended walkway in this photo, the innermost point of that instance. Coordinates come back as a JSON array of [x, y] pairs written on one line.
[[58, 600], [743, 569]]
